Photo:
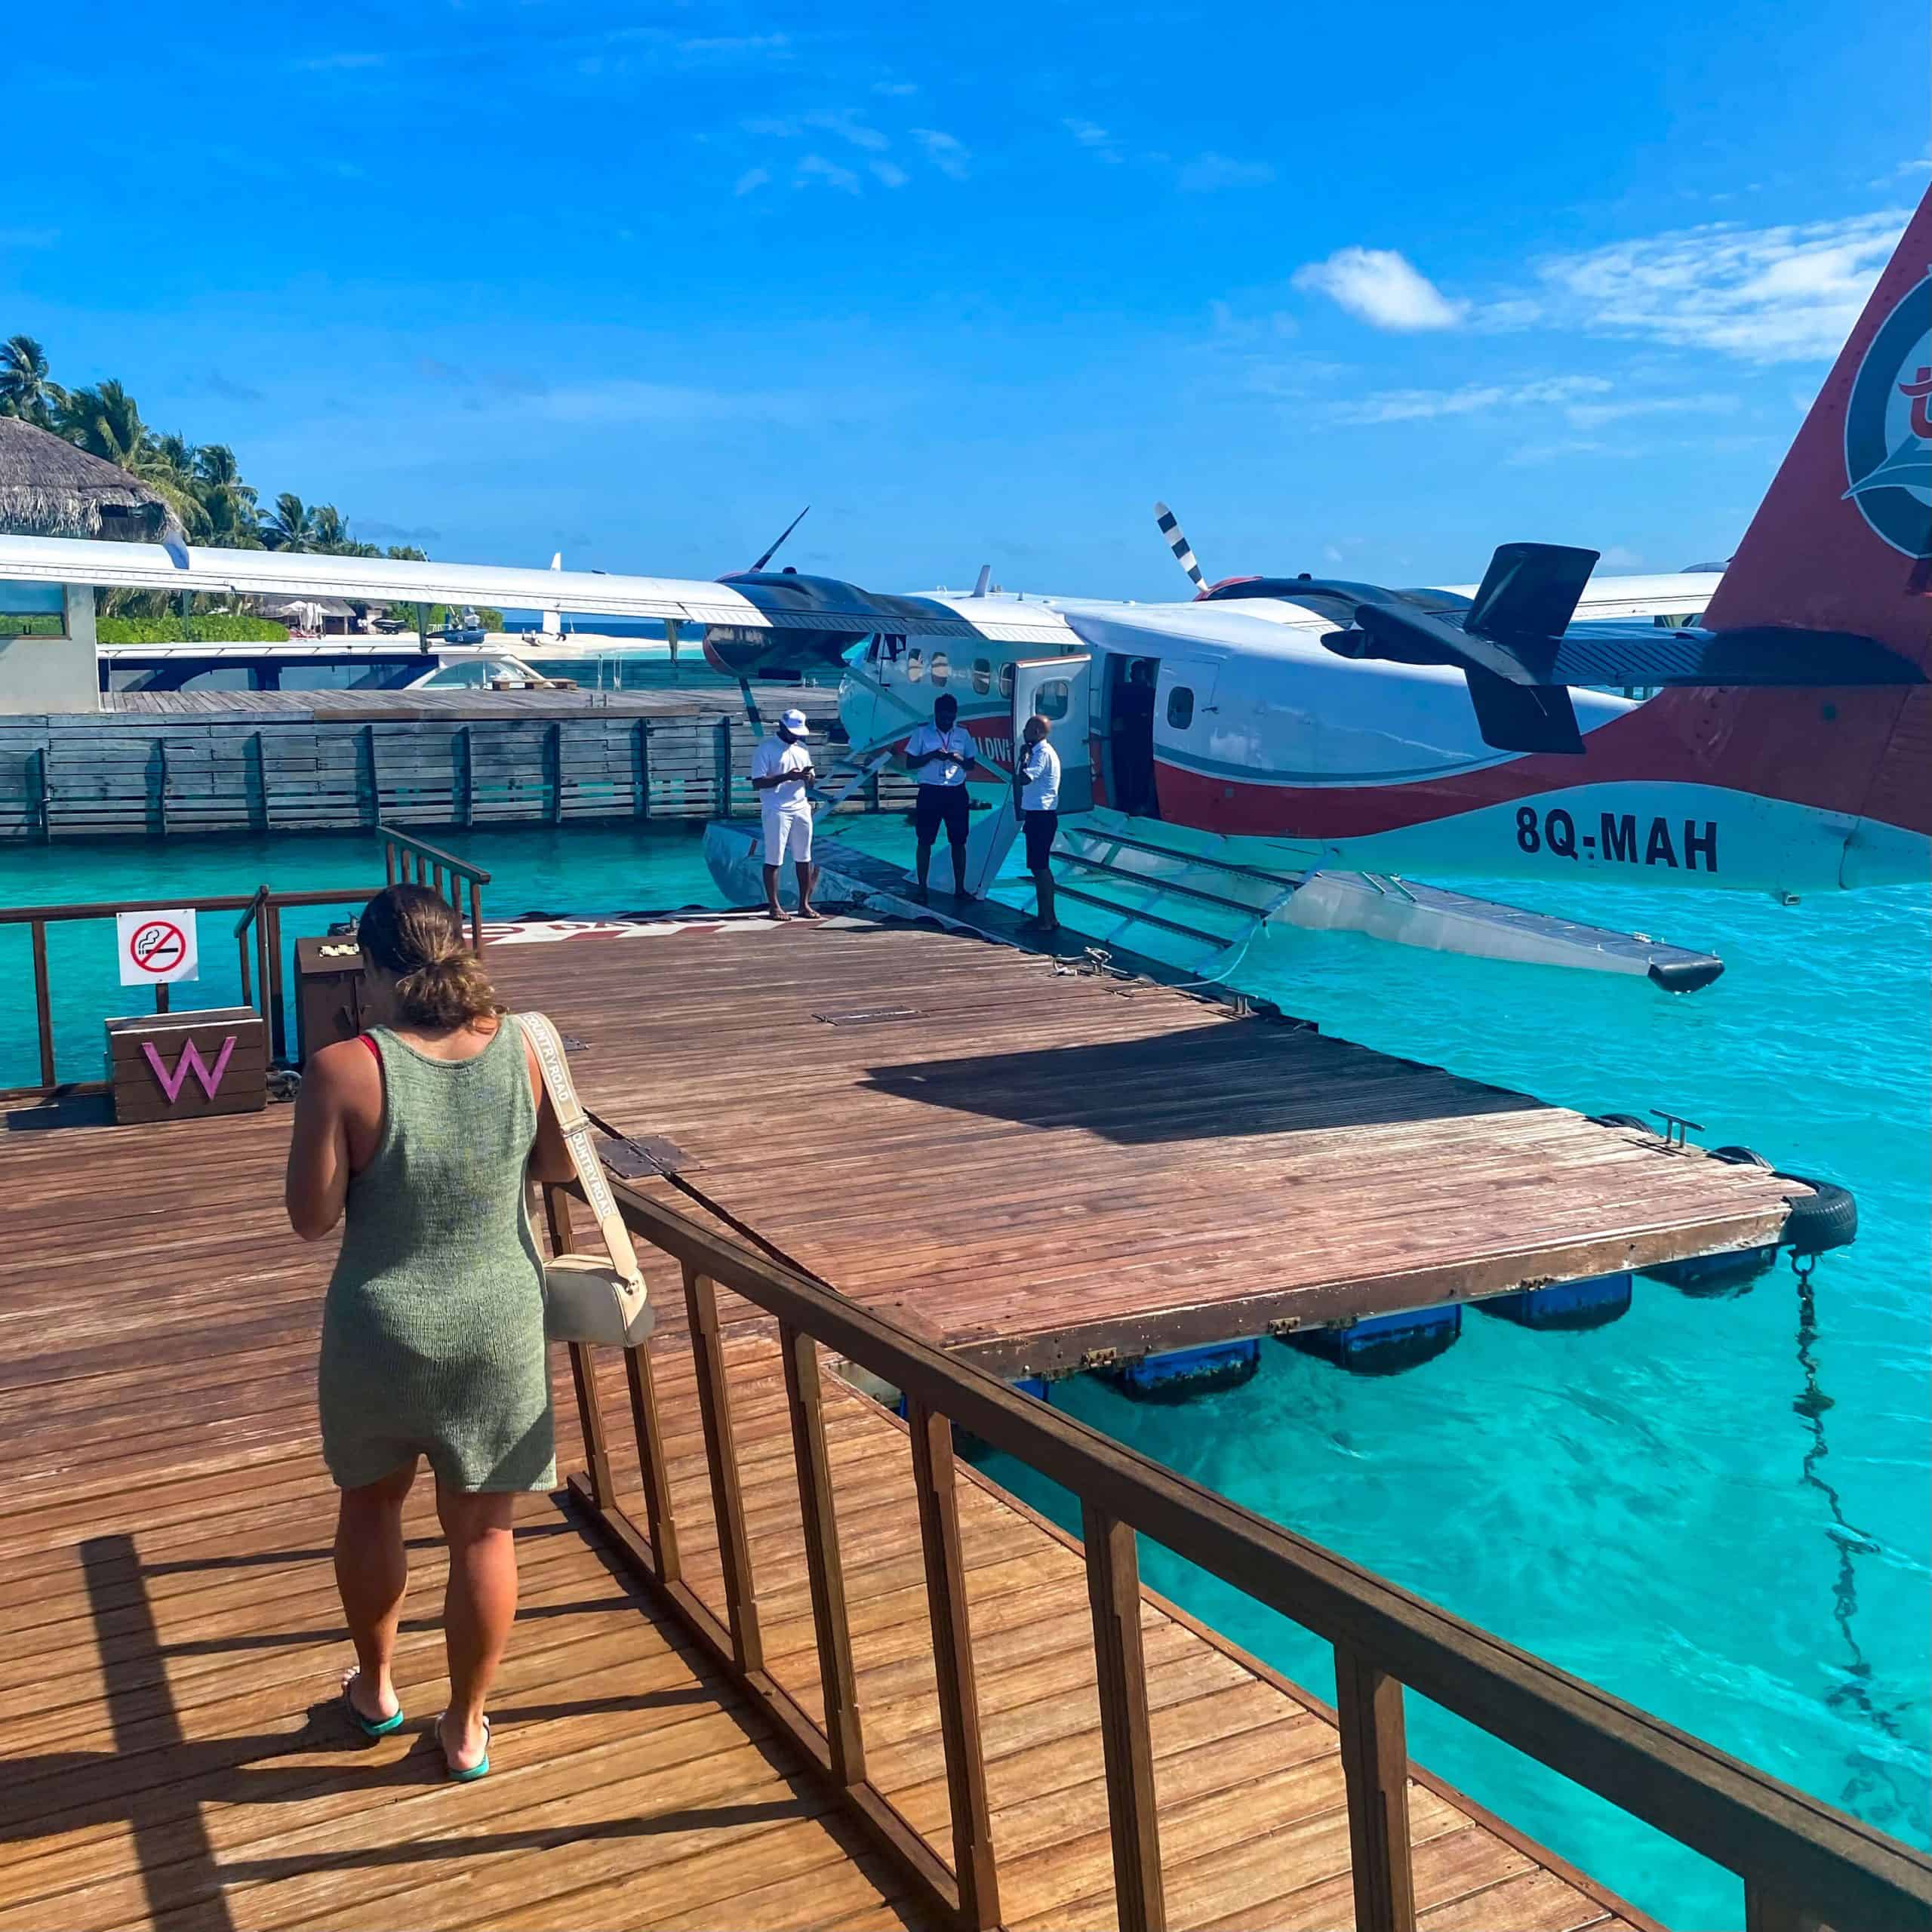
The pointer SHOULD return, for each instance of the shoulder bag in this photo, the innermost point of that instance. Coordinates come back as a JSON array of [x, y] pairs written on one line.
[[587, 1297]]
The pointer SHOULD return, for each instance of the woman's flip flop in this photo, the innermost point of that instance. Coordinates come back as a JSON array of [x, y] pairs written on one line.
[[470, 1773], [369, 1726]]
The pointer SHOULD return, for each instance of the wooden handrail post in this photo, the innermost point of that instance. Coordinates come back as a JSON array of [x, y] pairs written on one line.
[[271, 924], [1113, 1590], [823, 1569], [651, 1463], [952, 1656], [583, 1366], [1375, 1769], [714, 1402], [389, 860], [475, 917], [43, 1004]]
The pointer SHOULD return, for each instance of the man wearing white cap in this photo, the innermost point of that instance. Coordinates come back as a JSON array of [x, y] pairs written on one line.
[[781, 772]]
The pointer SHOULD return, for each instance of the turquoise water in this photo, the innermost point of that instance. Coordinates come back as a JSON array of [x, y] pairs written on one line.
[[1659, 1506]]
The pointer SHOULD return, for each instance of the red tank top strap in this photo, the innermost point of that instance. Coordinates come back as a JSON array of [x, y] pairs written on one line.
[[369, 1041]]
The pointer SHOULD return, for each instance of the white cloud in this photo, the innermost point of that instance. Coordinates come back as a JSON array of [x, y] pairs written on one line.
[[887, 172], [1786, 294], [843, 122], [946, 154], [816, 167], [773, 129], [1209, 171], [751, 179], [1383, 288], [1094, 139], [1594, 415], [1471, 399]]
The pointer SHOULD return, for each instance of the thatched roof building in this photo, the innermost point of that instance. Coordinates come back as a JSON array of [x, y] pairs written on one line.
[[50, 488]]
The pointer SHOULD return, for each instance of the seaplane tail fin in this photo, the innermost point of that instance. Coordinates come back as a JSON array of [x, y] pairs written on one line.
[[1843, 540]]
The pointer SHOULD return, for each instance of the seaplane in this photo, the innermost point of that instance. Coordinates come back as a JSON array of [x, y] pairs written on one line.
[[1304, 749]]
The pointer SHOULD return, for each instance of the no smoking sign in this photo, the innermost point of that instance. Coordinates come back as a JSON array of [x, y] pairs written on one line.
[[157, 949]]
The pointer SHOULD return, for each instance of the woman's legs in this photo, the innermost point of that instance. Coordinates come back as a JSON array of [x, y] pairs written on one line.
[[477, 1609], [371, 1572]]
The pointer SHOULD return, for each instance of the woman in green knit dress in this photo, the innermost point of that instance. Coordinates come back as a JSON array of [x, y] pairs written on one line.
[[419, 1136]]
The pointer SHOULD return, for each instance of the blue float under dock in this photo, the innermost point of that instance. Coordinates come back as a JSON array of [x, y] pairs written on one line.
[[1178, 1373], [1384, 1344], [1585, 1304]]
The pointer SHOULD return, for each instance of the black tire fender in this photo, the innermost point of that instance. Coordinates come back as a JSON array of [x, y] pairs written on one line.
[[1824, 1219]]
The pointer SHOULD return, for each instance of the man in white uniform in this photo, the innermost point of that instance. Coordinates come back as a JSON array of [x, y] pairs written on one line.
[[941, 753], [781, 774], [1037, 782]]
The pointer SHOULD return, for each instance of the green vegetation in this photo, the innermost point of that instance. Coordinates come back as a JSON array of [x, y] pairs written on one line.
[[217, 628], [202, 483]]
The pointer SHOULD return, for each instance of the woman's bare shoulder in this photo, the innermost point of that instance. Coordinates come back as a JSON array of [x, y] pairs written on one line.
[[345, 1069]]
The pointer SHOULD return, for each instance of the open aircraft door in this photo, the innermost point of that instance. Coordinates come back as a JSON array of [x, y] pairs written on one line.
[[1060, 690]]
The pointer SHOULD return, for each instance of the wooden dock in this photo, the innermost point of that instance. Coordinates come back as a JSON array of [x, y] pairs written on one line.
[[781, 1661], [170, 1644], [156, 763], [1037, 1168]]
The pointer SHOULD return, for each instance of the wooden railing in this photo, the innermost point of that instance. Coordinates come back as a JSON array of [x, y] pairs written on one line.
[[261, 987], [409, 860], [257, 940], [1803, 1864]]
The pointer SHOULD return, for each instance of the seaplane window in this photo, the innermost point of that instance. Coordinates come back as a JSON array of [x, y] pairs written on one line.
[[983, 676], [915, 670], [942, 670], [1180, 708], [1053, 697], [1006, 680]]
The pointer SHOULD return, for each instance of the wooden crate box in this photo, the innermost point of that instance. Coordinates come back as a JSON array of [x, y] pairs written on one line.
[[185, 1066]]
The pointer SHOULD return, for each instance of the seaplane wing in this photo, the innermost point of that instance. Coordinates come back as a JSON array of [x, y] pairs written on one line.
[[754, 601]]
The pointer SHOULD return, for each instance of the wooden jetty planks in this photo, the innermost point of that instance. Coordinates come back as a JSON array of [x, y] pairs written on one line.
[[169, 1642], [1032, 1164]]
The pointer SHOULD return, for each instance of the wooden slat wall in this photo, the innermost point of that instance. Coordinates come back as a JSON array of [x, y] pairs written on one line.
[[312, 767]]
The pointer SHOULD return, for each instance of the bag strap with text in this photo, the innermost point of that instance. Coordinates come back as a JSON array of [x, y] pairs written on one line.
[[570, 1117]]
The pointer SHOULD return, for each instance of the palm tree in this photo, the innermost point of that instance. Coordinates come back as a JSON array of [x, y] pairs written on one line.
[[106, 421], [228, 502], [331, 533], [25, 390], [291, 525]]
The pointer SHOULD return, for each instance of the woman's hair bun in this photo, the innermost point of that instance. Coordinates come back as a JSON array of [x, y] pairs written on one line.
[[417, 935]]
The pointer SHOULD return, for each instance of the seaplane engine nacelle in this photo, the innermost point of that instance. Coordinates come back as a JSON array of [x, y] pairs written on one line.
[[751, 650]]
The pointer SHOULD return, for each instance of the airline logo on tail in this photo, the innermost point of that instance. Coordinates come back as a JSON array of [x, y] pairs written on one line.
[[1888, 426]]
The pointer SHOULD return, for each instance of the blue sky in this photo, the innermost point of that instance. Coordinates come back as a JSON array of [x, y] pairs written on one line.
[[1365, 289]]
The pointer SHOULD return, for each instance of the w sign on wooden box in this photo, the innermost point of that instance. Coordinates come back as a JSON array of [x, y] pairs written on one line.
[[183, 1065]]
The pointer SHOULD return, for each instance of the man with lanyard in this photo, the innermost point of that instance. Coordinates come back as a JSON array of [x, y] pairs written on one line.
[[1036, 783], [941, 754], [781, 775]]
